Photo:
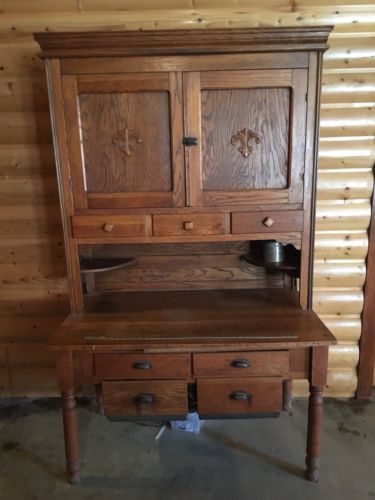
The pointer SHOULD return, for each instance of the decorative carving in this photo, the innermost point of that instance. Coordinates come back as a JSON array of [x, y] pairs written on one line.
[[243, 136], [127, 141]]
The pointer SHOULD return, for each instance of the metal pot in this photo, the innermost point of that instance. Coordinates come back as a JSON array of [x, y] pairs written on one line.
[[273, 251]]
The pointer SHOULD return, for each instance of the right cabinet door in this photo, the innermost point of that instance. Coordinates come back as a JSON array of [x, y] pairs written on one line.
[[250, 127]]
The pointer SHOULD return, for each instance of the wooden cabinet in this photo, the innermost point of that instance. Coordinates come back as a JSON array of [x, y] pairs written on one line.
[[124, 139], [250, 129], [180, 154]]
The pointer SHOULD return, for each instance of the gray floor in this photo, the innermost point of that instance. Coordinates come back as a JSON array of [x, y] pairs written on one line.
[[252, 459]]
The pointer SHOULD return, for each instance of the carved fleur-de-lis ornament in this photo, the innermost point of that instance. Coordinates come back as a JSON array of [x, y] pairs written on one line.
[[243, 137], [127, 141]]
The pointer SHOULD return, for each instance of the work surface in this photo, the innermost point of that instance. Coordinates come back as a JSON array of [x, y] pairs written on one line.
[[218, 319]]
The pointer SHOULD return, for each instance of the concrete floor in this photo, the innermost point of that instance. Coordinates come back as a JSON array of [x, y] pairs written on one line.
[[252, 459]]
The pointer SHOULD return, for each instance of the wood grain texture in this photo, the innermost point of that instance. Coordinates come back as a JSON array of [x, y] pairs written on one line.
[[367, 340], [215, 396], [194, 320], [241, 364], [142, 366], [249, 222], [168, 398], [108, 167], [177, 225], [182, 42], [121, 225], [224, 114]]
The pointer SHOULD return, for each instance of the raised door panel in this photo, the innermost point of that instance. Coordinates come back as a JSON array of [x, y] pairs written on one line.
[[124, 140], [250, 127]]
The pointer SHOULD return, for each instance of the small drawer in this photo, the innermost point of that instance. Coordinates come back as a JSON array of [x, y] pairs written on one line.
[[142, 366], [239, 396], [241, 364], [267, 222], [188, 224], [145, 398], [108, 226]]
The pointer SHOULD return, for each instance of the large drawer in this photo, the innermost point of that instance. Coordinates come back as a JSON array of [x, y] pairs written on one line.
[[267, 222], [239, 396], [241, 364], [145, 398], [188, 224], [108, 226], [142, 366]]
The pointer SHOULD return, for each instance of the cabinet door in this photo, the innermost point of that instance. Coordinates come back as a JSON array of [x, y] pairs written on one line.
[[124, 139], [250, 130]]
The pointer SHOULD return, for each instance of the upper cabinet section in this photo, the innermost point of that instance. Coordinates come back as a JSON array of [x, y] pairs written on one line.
[[165, 120], [124, 139]]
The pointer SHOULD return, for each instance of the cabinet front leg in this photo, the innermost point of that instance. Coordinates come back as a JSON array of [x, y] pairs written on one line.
[[73, 464], [315, 418]]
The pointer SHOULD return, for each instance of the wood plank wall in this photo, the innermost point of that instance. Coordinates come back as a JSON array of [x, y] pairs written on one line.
[[33, 288]]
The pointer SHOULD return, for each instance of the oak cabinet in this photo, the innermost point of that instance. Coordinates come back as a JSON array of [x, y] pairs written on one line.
[[243, 133], [123, 150], [179, 155]]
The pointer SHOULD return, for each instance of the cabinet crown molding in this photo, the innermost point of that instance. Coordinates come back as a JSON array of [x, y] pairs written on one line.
[[182, 42]]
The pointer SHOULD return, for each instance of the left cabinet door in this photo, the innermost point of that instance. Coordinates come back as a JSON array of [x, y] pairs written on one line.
[[124, 134]]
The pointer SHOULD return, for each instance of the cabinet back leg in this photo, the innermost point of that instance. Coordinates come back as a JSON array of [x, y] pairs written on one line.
[[73, 464]]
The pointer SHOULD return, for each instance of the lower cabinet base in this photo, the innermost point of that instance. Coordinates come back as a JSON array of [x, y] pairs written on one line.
[[256, 392]]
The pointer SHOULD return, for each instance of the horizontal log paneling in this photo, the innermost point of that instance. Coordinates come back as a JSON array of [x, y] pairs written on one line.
[[33, 295], [341, 245]]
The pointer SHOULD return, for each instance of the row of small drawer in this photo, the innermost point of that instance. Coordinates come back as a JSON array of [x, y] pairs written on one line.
[[183, 366], [197, 224], [233, 396]]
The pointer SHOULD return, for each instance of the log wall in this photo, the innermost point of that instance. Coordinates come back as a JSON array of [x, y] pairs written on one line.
[[33, 287]]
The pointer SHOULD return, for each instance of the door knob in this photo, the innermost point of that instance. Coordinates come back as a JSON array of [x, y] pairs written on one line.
[[188, 225], [107, 227], [268, 222]]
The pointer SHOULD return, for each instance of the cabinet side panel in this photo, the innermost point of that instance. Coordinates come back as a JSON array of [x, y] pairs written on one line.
[[311, 154], [64, 181]]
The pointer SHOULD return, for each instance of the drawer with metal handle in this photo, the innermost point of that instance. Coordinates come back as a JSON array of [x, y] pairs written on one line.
[[142, 366], [131, 398], [239, 364], [239, 396]]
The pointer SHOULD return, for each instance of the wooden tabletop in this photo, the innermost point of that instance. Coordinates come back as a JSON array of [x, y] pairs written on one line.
[[192, 320]]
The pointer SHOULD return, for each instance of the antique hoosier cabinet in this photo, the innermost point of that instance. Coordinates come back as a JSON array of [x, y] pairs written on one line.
[[206, 141]]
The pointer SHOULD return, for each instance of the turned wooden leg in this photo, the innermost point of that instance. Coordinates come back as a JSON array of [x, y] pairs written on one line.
[[71, 436], [287, 394], [99, 398], [315, 418]]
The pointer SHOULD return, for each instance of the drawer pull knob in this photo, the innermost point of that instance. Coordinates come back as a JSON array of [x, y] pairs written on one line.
[[144, 398], [240, 396], [268, 222], [188, 225], [142, 365], [108, 227], [241, 363]]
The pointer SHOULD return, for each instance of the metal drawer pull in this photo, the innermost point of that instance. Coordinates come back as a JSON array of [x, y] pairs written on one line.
[[188, 225], [190, 141], [107, 227], [142, 365], [240, 396], [144, 398], [241, 363]]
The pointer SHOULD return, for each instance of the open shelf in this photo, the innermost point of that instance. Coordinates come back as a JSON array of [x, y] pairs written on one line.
[[99, 265], [277, 266]]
